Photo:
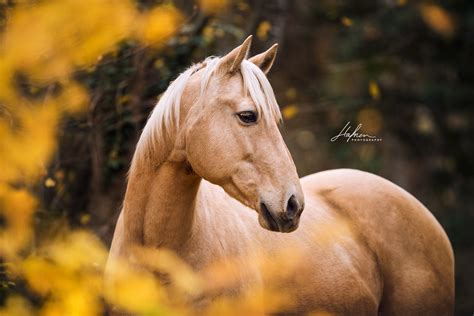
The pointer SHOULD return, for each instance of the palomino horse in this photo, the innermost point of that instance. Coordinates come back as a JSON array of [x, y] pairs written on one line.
[[211, 152]]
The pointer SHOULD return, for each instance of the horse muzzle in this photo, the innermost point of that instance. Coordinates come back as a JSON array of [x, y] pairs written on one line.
[[284, 221]]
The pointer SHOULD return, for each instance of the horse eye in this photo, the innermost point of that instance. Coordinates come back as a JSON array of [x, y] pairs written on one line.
[[247, 117]]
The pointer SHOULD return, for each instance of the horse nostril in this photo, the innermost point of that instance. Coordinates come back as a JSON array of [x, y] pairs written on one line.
[[291, 207]]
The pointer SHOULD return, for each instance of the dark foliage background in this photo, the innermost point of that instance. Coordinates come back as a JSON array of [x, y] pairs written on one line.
[[407, 77]]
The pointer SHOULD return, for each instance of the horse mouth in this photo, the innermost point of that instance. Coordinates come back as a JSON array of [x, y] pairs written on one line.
[[269, 219]]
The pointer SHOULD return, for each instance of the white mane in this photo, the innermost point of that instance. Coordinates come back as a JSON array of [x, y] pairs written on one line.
[[163, 122]]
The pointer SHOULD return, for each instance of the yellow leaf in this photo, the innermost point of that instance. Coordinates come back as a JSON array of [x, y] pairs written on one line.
[[49, 183], [208, 33], [159, 25], [64, 34], [80, 250], [77, 301], [40, 274], [346, 21], [73, 98], [159, 63], [213, 6], [59, 174], [123, 284], [290, 111], [438, 19], [374, 90], [263, 29], [424, 123], [166, 261], [23, 151], [86, 218], [17, 208]]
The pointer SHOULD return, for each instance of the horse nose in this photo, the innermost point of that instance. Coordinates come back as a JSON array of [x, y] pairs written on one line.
[[285, 218], [293, 208]]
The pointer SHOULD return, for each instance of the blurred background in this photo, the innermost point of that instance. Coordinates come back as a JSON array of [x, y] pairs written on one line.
[[403, 69]]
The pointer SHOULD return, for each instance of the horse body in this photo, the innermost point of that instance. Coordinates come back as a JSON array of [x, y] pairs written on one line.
[[364, 246], [388, 264]]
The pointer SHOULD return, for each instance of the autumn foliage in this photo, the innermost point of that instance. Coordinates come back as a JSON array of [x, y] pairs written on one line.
[[46, 49], [42, 46]]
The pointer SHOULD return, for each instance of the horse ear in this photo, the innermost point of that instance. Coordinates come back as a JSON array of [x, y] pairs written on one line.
[[230, 63], [265, 60]]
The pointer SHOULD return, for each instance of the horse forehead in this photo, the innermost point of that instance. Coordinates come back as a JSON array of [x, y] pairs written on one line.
[[230, 84]]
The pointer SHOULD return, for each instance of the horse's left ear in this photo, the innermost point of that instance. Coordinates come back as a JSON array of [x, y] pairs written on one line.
[[230, 63], [265, 60]]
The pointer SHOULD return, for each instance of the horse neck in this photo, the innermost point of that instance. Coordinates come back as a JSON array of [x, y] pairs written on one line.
[[159, 205], [160, 201]]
